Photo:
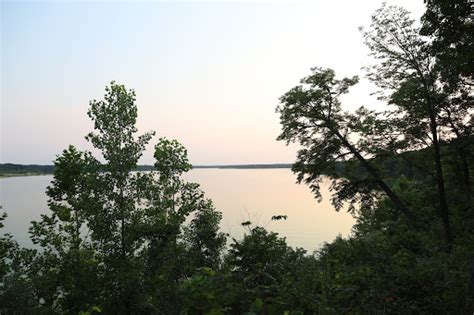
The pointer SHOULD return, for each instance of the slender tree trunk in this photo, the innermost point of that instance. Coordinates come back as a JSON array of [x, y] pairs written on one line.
[[471, 287], [443, 205], [122, 224], [376, 176], [467, 176], [124, 296], [460, 146], [466, 173]]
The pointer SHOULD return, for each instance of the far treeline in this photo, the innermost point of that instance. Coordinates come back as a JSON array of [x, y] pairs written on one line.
[[122, 242], [11, 169], [393, 165]]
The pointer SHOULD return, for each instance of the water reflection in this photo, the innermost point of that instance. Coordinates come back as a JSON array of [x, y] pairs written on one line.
[[241, 195]]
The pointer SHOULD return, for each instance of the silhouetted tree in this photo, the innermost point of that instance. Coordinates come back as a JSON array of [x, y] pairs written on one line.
[[311, 115]]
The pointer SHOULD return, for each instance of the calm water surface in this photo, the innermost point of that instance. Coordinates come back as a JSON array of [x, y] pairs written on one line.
[[241, 195]]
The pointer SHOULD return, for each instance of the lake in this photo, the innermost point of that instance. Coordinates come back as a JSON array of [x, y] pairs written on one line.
[[240, 194]]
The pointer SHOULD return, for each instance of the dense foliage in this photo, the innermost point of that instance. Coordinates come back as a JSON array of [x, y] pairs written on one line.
[[118, 241]]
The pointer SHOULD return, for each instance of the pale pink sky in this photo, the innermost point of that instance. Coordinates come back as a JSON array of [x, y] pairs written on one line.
[[208, 74]]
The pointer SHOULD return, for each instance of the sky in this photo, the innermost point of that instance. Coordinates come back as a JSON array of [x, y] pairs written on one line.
[[208, 74]]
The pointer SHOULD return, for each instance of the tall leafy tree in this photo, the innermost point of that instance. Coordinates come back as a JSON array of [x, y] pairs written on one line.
[[311, 115], [450, 26], [113, 223], [409, 79], [118, 240]]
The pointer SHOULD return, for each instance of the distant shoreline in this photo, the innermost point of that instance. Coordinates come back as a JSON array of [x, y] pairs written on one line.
[[15, 170], [247, 166]]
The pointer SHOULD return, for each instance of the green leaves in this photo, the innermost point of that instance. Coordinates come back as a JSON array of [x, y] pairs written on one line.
[[114, 120], [171, 158], [116, 241], [311, 115], [450, 25], [395, 41]]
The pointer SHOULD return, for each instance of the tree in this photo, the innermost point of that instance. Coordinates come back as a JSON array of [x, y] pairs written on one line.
[[115, 215], [89, 237], [410, 78], [6, 245], [175, 250], [67, 264], [259, 264], [16, 289], [117, 240], [451, 25], [311, 115]]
